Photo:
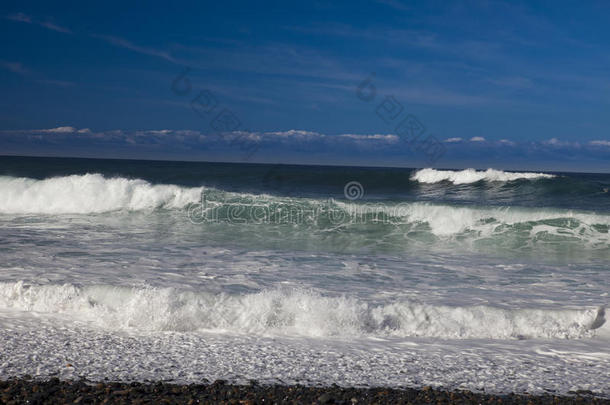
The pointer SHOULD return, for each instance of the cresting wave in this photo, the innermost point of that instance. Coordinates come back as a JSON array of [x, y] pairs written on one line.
[[93, 193], [89, 193], [293, 312], [468, 176], [445, 220], [523, 226]]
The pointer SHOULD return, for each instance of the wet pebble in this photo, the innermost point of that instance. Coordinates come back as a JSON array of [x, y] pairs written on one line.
[[27, 390]]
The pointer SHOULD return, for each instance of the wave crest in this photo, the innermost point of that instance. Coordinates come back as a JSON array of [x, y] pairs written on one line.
[[469, 176], [89, 193], [508, 226]]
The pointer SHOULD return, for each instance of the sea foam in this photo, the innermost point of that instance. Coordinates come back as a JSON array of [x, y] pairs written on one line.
[[293, 312], [472, 176]]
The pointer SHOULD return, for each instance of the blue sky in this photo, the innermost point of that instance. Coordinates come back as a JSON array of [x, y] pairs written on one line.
[[521, 85]]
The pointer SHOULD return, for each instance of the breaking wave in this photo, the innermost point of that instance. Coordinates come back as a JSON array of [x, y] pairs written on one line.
[[293, 312], [521, 226], [93, 193], [89, 193], [472, 176]]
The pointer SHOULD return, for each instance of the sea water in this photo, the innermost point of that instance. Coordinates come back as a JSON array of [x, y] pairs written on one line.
[[134, 270]]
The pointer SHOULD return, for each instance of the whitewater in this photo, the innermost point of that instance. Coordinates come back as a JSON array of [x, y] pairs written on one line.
[[463, 279], [468, 176], [89, 193]]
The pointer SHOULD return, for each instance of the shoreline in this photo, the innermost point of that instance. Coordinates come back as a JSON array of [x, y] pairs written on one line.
[[43, 391]]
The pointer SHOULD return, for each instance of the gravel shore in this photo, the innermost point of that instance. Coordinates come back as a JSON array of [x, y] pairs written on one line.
[[54, 391]]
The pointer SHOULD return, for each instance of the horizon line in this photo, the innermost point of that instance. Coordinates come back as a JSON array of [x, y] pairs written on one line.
[[480, 168]]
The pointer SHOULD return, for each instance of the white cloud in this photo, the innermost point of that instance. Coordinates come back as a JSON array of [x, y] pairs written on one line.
[[553, 141], [506, 142], [187, 132], [24, 18], [378, 137], [54, 27], [59, 130], [18, 68], [20, 17], [559, 143], [123, 43], [452, 140], [294, 133], [477, 139], [240, 136], [14, 67], [600, 143], [115, 132]]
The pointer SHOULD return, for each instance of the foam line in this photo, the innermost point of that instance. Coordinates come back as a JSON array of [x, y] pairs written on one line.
[[293, 312]]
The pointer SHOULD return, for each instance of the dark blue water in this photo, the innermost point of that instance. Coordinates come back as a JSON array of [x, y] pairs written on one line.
[[578, 191]]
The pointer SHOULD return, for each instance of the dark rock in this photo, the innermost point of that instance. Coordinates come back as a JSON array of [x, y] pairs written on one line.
[[326, 399], [82, 392]]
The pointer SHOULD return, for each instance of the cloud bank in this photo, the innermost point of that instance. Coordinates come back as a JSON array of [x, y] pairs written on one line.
[[288, 145]]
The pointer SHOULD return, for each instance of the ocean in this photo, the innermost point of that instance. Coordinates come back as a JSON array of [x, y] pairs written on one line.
[[484, 280]]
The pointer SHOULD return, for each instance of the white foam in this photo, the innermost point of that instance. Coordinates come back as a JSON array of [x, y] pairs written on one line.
[[448, 221], [89, 193], [468, 176], [35, 346], [293, 312]]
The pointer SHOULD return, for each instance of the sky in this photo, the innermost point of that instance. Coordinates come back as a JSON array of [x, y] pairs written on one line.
[[509, 85]]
